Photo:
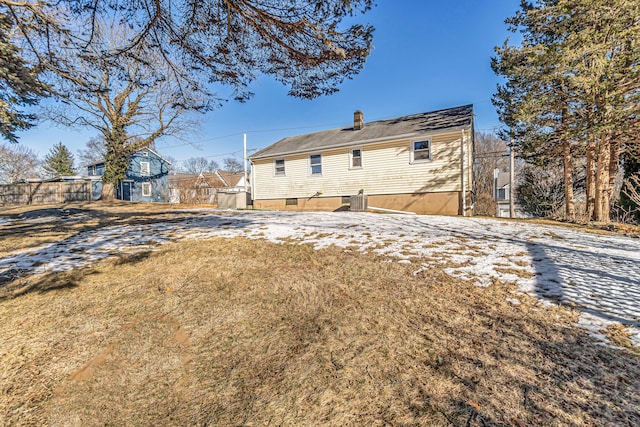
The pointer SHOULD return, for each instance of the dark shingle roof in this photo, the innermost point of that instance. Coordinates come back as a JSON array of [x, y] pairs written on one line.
[[405, 126]]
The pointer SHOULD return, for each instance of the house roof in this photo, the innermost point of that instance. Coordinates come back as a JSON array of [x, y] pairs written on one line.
[[504, 179], [231, 178], [137, 151], [206, 179], [378, 131]]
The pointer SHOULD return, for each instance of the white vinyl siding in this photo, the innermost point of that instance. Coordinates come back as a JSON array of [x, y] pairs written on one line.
[[389, 170]]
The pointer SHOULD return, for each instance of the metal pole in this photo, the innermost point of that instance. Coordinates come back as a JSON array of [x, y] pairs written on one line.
[[512, 192], [464, 189], [245, 162]]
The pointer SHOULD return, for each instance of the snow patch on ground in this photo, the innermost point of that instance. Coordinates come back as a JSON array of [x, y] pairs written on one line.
[[597, 274]]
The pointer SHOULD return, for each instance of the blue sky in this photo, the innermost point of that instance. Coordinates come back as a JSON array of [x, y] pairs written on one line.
[[428, 55]]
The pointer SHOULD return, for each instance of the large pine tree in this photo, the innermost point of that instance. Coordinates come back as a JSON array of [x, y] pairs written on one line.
[[59, 161], [19, 85], [573, 89]]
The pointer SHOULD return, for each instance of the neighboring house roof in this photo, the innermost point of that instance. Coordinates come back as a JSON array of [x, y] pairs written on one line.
[[399, 127], [230, 178], [207, 179], [137, 151], [503, 179]]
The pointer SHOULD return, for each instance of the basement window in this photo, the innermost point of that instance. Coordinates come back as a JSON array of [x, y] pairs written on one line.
[[278, 165], [146, 189], [315, 161], [420, 151], [346, 200], [291, 202]]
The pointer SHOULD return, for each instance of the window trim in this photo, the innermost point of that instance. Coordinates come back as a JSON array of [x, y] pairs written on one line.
[[311, 165], [413, 150], [147, 185], [351, 157], [275, 167], [148, 167]]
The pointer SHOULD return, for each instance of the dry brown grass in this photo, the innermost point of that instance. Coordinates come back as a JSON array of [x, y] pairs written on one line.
[[590, 227], [239, 332], [31, 226]]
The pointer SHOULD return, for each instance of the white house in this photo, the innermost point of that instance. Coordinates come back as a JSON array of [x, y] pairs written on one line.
[[419, 163]]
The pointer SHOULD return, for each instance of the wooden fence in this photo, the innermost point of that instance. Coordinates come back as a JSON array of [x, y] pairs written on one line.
[[41, 193]]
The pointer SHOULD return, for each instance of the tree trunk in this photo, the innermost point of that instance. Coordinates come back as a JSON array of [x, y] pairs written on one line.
[[602, 196], [590, 180], [108, 192], [614, 168], [567, 164]]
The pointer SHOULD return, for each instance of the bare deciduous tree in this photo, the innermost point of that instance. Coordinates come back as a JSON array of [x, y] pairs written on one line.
[[232, 165], [489, 155], [18, 162], [95, 151], [130, 103], [198, 165]]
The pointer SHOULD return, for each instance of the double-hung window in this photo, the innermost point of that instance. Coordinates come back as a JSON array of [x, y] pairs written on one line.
[[420, 151], [356, 158], [145, 169], [278, 166], [315, 161], [146, 189]]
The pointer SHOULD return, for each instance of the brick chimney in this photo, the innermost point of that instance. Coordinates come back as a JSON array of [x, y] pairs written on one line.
[[358, 120]]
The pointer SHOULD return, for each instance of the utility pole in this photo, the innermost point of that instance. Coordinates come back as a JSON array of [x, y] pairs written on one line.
[[512, 174], [464, 189], [245, 161]]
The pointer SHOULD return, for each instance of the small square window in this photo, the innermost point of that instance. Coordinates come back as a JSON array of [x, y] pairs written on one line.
[[356, 158], [145, 169], [346, 200], [421, 151], [315, 160], [279, 167], [291, 202], [146, 189]]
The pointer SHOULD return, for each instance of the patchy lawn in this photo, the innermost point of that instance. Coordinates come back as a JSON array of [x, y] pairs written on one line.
[[247, 332]]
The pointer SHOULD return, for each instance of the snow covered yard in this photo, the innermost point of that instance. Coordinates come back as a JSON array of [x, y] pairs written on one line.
[[596, 274]]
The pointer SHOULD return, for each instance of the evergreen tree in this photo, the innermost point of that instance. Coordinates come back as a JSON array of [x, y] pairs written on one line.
[[573, 89], [59, 161], [19, 85]]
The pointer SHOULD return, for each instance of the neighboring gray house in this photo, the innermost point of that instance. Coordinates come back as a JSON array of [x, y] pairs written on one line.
[[502, 194], [146, 178], [502, 197]]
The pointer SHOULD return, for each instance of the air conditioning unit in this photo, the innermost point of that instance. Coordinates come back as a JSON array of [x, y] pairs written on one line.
[[358, 203]]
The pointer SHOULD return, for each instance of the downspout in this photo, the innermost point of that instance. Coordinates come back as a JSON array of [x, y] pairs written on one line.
[[464, 188], [253, 182]]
